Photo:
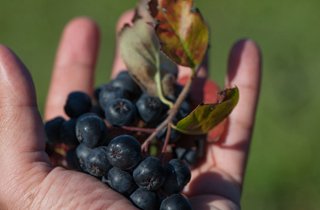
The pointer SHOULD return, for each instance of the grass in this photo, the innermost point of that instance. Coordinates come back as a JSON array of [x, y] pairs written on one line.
[[282, 170]]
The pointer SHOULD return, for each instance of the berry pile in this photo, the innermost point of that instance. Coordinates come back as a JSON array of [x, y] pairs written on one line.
[[142, 132], [105, 137]]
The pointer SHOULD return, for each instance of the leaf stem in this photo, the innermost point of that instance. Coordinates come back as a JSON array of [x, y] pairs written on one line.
[[157, 78]]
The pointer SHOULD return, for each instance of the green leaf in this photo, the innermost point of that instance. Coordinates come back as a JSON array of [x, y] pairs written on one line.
[[142, 11], [140, 51], [182, 31], [206, 116]]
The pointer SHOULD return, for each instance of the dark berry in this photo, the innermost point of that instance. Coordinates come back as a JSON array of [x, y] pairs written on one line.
[[68, 132], [178, 176], [177, 91], [52, 129], [121, 181], [97, 163], [124, 74], [77, 104], [175, 202], [180, 152], [173, 138], [96, 109], [108, 93], [190, 155], [184, 110], [149, 174], [201, 146], [96, 93], [90, 129], [145, 199], [126, 83], [124, 152], [82, 152], [149, 108], [72, 160], [120, 112]]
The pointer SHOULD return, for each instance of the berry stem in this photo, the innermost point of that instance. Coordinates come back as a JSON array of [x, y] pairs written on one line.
[[166, 141], [171, 114], [143, 130]]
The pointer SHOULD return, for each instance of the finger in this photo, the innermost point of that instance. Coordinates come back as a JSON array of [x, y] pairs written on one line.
[[21, 128], [21, 134], [244, 72], [214, 202], [75, 63], [118, 64]]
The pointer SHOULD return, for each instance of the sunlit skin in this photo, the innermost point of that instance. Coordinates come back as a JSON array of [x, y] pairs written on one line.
[[28, 180]]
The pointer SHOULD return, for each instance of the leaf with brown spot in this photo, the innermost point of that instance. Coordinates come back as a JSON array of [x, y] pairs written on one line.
[[206, 116], [182, 31]]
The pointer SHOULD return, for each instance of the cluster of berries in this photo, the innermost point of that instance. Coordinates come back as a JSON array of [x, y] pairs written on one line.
[[103, 138]]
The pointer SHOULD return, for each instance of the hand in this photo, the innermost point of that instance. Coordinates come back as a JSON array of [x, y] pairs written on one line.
[[217, 182], [28, 180]]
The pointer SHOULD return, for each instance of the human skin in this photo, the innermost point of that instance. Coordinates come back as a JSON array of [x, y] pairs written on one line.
[[29, 181]]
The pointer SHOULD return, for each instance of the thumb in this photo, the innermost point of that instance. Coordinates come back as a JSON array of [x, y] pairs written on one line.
[[21, 129], [24, 162]]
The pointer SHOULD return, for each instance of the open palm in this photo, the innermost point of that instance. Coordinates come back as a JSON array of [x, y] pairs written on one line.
[[28, 181]]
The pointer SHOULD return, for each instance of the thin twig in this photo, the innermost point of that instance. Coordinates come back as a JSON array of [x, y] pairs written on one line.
[[143, 130], [172, 113], [167, 139]]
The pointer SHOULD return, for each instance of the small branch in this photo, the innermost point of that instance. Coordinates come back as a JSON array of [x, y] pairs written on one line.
[[143, 130], [172, 112], [167, 139]]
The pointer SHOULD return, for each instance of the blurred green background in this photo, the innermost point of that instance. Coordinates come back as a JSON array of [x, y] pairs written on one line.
[[283, 172]]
